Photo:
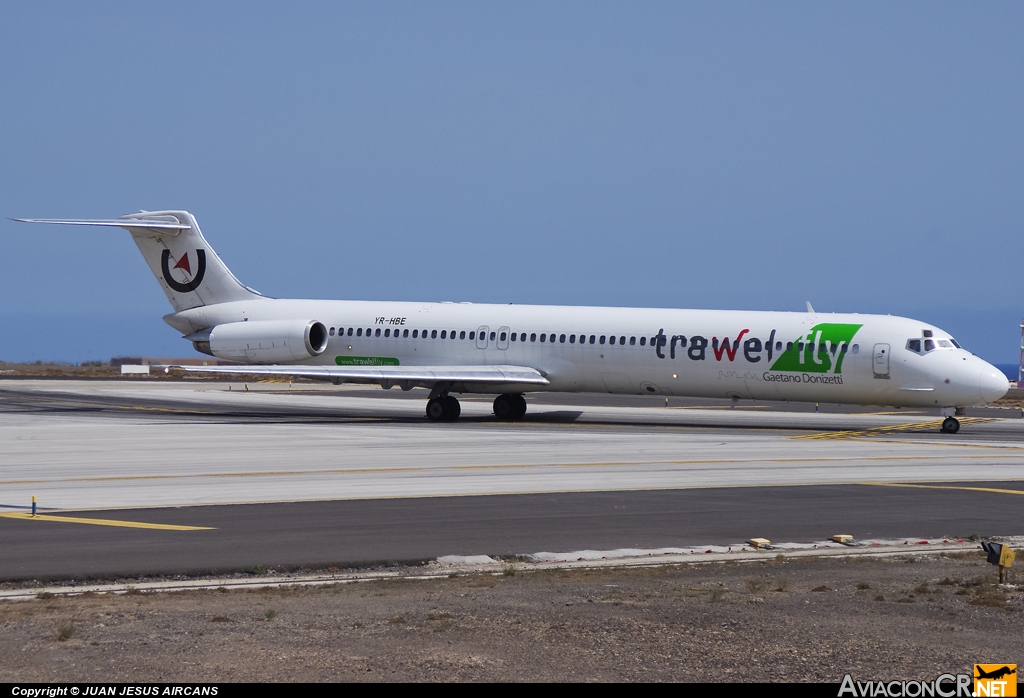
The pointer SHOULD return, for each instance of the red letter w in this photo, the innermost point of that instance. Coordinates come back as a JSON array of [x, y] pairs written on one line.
[[724, 347]]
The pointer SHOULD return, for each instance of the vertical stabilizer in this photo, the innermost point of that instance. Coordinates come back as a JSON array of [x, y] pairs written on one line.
[[189, 271]]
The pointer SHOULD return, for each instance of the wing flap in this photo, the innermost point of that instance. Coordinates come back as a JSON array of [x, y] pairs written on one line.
[[375, 374]]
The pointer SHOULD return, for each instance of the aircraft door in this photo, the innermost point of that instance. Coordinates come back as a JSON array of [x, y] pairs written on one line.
[[880, 361], [481, 337], [502, 342]]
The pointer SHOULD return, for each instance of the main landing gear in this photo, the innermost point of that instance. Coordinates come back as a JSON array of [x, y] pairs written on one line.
[[510, 408], [443, 408]]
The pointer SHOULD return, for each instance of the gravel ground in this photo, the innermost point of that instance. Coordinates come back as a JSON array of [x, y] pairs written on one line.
[[779, 620]]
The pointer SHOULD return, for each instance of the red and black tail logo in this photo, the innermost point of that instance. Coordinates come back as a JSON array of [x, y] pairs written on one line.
[[184, 265]]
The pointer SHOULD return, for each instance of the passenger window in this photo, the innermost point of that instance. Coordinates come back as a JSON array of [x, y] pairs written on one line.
[[444, 334], [643, 341], [472, 335], [561, 339], [415, 334], [387, 333], [843, 350], [433, 334], [929, 345], [369, 331], [632, 341], [611, 340], [572, 339], [502, 337], [349, 331], [533, 336], [492, 336], [914, 345], [377, 333], [856, 348], [515, 335], [602, 339], [778, 346], [405, 333], [462, 335], [360, 332], [593, 338], [542, 337], [622, 340]]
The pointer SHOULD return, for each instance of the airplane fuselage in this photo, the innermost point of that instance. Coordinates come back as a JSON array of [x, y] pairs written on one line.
[[819, 357]]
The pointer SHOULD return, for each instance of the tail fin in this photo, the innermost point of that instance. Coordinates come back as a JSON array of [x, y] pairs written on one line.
[[189, 271]]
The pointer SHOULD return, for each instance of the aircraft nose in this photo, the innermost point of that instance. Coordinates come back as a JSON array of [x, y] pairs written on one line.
[[993, 384]]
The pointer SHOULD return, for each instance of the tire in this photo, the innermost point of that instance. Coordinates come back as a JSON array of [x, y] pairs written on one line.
[[454, 408], [437, 410], [950, 425], [520, 407], [503, 407]]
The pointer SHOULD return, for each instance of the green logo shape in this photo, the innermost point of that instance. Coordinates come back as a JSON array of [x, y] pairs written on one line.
[[831, 341], [365, 361]]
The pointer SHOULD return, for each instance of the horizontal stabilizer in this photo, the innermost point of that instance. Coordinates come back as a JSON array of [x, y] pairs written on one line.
[[394, 374], [155, 224]]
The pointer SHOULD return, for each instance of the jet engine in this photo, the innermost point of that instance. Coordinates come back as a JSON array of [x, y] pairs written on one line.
[[267, 341]]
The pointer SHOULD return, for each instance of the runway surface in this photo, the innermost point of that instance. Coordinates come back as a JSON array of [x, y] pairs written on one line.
[[336, 476]]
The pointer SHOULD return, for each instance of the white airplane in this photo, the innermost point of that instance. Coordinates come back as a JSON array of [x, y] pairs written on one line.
[[515, 349]]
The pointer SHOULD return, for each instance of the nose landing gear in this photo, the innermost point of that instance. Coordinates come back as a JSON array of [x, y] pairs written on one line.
[[951, 425], [510, 408]]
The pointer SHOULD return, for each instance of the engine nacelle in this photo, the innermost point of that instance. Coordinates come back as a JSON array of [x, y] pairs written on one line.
[[268, 341]]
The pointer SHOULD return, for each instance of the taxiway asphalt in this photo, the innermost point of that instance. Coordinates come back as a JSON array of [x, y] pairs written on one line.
[[321, 476]]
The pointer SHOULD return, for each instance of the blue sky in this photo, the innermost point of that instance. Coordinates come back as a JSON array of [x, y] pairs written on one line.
[[868, 157]]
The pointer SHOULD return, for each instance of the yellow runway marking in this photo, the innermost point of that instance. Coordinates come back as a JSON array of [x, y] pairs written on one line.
[[945, 487], [104, 522], [716, 407], [894, 428]]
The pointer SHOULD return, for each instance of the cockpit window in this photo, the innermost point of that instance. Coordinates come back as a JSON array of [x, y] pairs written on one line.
[[929, 344], [955, 344], [945, 343], [914, 345]]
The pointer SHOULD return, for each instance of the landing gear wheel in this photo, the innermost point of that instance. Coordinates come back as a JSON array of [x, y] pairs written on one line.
[[503, 408], [950, 425], [509, 408], [438, 409], [520, 405], [454, 408], [443, 409]]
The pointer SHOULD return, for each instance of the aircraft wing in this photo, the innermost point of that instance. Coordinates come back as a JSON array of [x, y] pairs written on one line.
[[391, 375]]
